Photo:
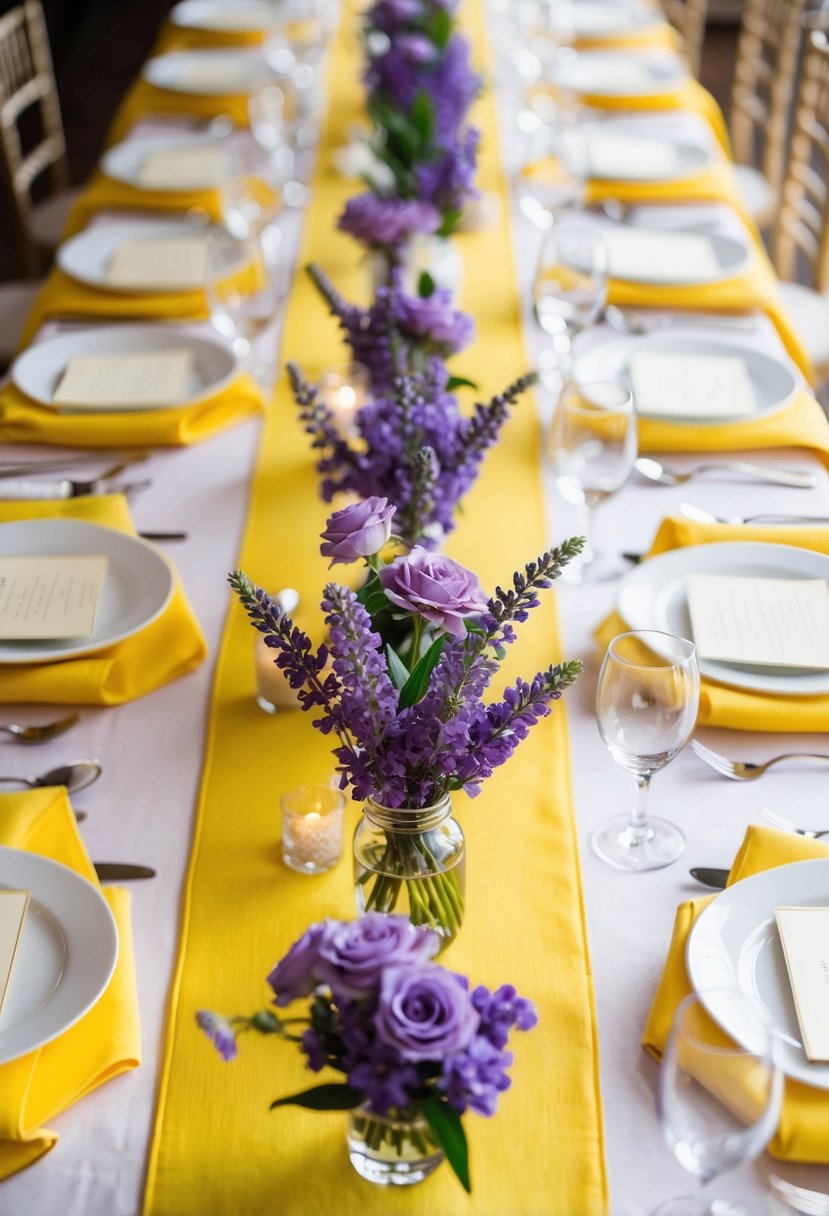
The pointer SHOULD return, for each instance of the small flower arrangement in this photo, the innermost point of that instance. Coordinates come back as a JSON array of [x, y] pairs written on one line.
[[409, 1037]]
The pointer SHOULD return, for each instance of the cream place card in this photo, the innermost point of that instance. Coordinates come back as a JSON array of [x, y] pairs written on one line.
[[125, 382], [660, 257], [804, 933], [186, 167], [166, 264], [49, 597], [215, 76], [626, 156], [13, 905], [691, 386], [772, 622]]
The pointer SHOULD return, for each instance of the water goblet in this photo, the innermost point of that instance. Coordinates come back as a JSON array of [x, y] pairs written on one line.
[[243, 286], [570, 285], [553, 172], [592, 448], [718, 1101], [646, 707]]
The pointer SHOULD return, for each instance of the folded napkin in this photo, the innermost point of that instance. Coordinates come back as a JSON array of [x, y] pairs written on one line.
[[168, 648], [715, 182], [105, 194], [107, 1039], [25, 421], [659, 37], [803, 1131], [738, 708]]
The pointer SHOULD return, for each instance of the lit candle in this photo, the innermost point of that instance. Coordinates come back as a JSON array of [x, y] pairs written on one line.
[[344, 391], [312, 828]]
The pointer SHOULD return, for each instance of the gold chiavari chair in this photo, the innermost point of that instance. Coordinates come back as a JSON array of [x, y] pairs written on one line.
[[688, 18], [764, 84], [801, 237]]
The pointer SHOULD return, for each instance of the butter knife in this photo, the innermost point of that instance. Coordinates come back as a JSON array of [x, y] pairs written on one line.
[[709, 876], [121, 871], [65, 488]]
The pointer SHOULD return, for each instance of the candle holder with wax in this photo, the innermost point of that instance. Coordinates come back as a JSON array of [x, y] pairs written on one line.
[[344, 390], [312, 828]]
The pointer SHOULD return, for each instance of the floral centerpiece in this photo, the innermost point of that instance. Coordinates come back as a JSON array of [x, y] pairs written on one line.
[[416, 1048], [410, 723]]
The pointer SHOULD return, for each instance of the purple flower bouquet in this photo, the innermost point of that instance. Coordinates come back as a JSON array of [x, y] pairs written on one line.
[[411, 723], [417, 1049]]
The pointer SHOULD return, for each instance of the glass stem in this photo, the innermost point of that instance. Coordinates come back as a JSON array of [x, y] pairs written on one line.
[[704, 1198], [586, 529], [639, 814]]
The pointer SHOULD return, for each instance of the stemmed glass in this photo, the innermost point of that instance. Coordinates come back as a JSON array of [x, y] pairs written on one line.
[[592, 447], [553, 172], [239, 314], [718, 1102], [646, 707], [570, 286]]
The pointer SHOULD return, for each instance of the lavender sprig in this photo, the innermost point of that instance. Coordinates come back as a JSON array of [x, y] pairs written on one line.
[[487, 420]]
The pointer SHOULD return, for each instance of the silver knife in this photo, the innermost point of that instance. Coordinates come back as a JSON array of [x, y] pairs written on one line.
[[710, 876], [121, 871], [65, 488]]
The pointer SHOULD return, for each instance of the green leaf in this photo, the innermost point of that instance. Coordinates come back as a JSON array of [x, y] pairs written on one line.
[[450, 219], [376, 602], [441, 27], [422, 116], [474, 627], [333, 1096], [459, 382], [445, 1122], [398, 670], [425, 285], [417, 683], [368, 588], [500, 653]]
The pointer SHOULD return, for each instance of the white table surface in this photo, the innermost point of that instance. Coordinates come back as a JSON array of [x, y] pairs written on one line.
[[142, 810]]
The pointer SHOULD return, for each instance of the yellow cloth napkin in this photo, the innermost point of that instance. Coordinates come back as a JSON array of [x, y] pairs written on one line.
[[168, 648], [803, 1131], [736, 708], [25, 421], [182, 38], [107, 1040]]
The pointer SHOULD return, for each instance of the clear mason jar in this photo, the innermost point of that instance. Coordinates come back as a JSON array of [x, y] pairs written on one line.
[[411, 861], [398, 1149]]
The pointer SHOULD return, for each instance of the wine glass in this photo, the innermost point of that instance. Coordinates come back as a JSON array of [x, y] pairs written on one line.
[[553, 172], [243, 285], [592, 447], [570, 286], [646, 707], [718, 1101]]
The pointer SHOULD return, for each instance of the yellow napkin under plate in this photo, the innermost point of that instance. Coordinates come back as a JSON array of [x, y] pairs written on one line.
[[107, 1040], [168, 648], [803, 1131], [25, 421], [181, 38], [144, 99], [737, 708]]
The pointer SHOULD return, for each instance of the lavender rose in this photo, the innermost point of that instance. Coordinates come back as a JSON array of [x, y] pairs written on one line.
[[355, 953], [357, 531], [425, 1013], [443, 592], [434, 317], [386, 222], [296, 974]]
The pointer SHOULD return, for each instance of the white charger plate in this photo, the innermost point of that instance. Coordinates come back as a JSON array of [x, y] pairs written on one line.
[[137, 587], [238, 17], [773, 382], [123, 161], [190, 72], [618, 73], [610, 18], [86, 256], [39, 370], [734, 947], [66, 957], [654, 596]]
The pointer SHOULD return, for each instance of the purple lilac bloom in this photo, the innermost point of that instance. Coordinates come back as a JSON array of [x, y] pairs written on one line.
[[434, 587], [434, 318], [447, 181], [385, 1079], [501, 1010], [474, 1078], [415, 48], [296, 974], [220, 1032], [360, 530], [354, 953], [425, 1013], [385, 223]]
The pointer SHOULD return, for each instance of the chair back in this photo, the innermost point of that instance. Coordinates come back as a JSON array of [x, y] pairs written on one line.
[[29, 97], [688, 19]]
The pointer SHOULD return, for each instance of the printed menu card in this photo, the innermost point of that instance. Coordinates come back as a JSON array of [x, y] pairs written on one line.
[[129, 381], [185, 167], [49, 597], [13, 905], [773, 622], [691, 386], [804, 933], [171, 264]]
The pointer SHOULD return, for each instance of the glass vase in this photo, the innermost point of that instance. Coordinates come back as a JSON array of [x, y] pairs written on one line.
[[411, 862], [398, 1149]]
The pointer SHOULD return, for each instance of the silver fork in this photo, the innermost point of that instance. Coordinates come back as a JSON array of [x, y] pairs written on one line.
[[786, 825], [739, 770]]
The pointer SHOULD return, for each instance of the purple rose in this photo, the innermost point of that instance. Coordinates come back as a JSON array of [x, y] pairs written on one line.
[[443, 592], [357, 531], [415, 48], [386, 222], [355, 953], [296, 974], [434, 317], [425, 1013]]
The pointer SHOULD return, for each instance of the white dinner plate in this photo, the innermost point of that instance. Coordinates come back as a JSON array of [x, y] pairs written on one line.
[[773, 381], [618, 73], [39, 370], [610, 18], [734, 947], [137, 587], [86, 256], [66, 957], [654, 596], [688, 158], [210, 73], [240, 16], [731, 257], [123, 162]]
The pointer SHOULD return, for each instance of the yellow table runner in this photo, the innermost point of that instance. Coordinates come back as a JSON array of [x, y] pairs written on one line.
[[738, 708], [107, 1040], [803, 1131], [216, 1147], [170, 647]]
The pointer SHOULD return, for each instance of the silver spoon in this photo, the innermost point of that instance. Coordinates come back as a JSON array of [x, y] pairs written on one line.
[[76, 775], [705, 517], [633, 323], [40, 734], [654, 471]]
